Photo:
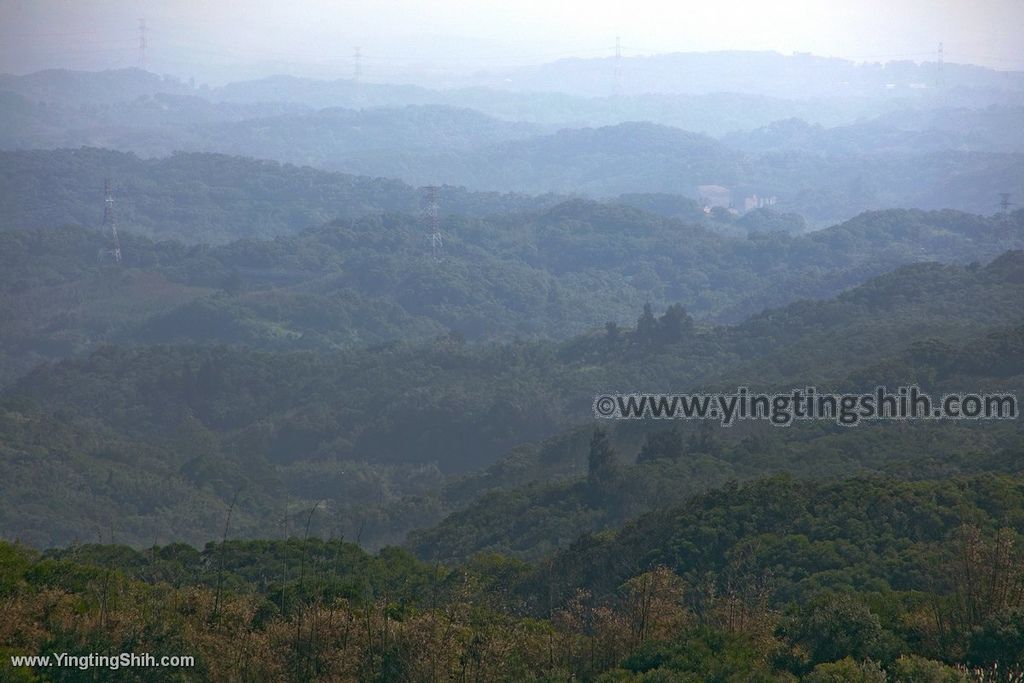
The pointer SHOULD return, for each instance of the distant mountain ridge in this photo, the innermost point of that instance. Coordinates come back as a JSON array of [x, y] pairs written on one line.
[[715, 112], [765, 73]]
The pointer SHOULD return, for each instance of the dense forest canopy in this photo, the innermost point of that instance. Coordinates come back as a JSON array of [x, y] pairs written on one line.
[[322, 406], [549, 273], [287, 427]]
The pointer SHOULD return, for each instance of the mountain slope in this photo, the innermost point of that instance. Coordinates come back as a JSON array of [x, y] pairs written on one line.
[[546, 274], [208, 198], [382, 434]]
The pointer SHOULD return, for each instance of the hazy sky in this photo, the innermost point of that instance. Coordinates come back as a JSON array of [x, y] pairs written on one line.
[[215, 39]]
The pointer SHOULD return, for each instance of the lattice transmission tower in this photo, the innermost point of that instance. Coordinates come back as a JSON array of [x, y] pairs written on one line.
[[110, 225], [142, 43], [432, 222], [357, 75], [1005, 203], [617, 79]]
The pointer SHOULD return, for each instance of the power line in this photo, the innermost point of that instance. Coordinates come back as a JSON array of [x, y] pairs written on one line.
[[61, 34], [501, 58]]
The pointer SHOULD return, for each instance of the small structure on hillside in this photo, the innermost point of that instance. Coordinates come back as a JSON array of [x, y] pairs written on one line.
[[713, 196]]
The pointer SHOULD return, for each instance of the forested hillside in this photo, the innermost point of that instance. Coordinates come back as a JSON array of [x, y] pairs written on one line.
[[824, 174], [332, 137], [208, 198], [545, 274], [823, 183], [380, 431], [303, 377], [908, 130], [774, 581], [526, 514]]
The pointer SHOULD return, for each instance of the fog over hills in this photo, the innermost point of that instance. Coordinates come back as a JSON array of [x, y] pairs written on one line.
[[761, 73], [917, 150], [305, 378]]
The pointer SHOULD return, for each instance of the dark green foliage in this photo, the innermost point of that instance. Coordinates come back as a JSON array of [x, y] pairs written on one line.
[[767, 220], [582, 607], [804, 537], [380, 433], [602, 461], [667, 444], [280, 374], [998, 641], [647, 326], [290, 572], [704, 655], [552, 274], [832, 627], [207, 198]]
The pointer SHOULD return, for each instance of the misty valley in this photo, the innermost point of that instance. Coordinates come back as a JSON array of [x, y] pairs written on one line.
[[298, 374]]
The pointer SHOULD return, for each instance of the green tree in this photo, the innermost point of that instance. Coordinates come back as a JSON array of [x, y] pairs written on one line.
[[666, 444], [647, 326], [834, 626], [675, 324], [602, 462], [847, 671]]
